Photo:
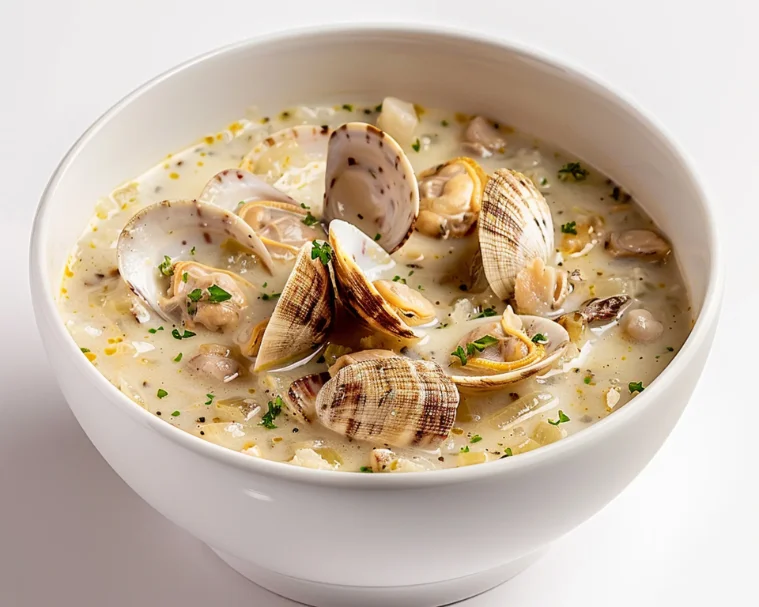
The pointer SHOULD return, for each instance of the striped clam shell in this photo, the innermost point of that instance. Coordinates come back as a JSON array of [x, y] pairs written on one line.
[[391, 401], [302, 393], [302, 317], [370, 183], [515, 227]]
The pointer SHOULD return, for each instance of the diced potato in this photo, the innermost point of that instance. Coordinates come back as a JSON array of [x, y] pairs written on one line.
[[254, 451], [308, 458], [330, 455], [234, 436], [399, 119], [528, 445], [473, 457], [546, 433]]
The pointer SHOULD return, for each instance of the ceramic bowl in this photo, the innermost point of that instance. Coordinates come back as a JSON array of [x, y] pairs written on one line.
[[329, 538]]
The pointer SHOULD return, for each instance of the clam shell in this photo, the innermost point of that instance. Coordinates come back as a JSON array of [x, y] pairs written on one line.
[[231, 187], [302, 317], [283, 229], [515, 227], [171, 228], [370, 183], [358, 261], [302, 393], [478, 380], [392, 401]]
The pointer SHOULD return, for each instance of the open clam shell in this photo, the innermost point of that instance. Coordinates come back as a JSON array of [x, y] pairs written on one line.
[[282, 227], [359, 262], [172, 229], [543, 340], [369, 182], [293, 160], [302, 317], [302, 393], [232, 188], [392, 401], [515, 227]]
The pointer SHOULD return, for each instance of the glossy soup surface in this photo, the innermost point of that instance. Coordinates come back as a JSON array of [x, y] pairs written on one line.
[[597, 375]]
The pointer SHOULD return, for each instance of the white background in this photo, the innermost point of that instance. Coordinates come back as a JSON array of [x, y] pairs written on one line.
[[684, 533]]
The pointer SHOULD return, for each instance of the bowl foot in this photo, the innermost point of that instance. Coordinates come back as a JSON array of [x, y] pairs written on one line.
[[417, 595]]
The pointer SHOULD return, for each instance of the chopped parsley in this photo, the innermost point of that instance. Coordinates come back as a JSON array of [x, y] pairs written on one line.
[[210, 399], [84, 350], [365, 469], [195, 295], [186, 335], [635, 386], [573, 170], [165, 267], [216, 294], [265, 285], [587, 379], [464, 449], [303, 205], [161, 393], [175, 414], [310, 220], [416, 145], [378, 108], [473, 346], [543, 181], [562, 419], [192, 251], [420, 287], [323, 252], [475, 439], [443, 123], [178, 357], [486, 313], [155, 330], [539, 338], [399, 279], [411, 273], [507, 453], [569, 228], [184, 277], [267, 297], [377, 236], [275, 408], [670, 349], [348, 107]]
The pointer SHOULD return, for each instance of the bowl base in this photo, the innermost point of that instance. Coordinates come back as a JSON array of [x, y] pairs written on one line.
[[435, 594]]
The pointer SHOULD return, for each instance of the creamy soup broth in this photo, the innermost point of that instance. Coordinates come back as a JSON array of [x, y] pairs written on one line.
[[148, 359]]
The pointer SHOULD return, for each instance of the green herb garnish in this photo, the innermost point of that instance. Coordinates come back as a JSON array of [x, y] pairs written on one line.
[[573, 170], [377, 236], [475, 439], [175, 414], [562, 419], [192, 251], [543, 181], [486, 313], [569, 228], [155, 330], [275, 408], [399, 279], [461, 354], [670, 349], [84, 350], [216, 294], [210, 399], [507, 453], [186, 335], [473, 346], [161, 393], [310, 220], [416, 145], [347, 107], [539, 338], [178, 357], [365, 469], [443, 123], [267, 297], [195, 295], [303, 205], [184, 277], [378, 108], [323, 252], [587, 379], [635, 386], [464, 449], [165, 266]]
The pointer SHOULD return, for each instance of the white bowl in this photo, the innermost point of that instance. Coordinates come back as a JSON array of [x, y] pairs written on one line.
[[344, 539]]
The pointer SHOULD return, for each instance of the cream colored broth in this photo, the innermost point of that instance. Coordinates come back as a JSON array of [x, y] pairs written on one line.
[[149, 364]]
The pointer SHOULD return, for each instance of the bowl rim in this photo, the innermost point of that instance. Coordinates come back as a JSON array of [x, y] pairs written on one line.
[[259, 466]]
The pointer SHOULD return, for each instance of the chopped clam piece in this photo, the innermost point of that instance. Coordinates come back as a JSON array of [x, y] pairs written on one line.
[[398, 118], [391, 401], [539, 289], [370, 183], [450, 197], [216, 362], [640, 325], [191, 297], [483, 138], [607, 309], [545, 433], [308, 458], [638, 243], [283, 228], [515, 227]]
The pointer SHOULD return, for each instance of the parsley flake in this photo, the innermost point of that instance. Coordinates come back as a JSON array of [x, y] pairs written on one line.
[[348, 107], [178, 357], [378, 108], [84, 350], [573, 170], [210, 399], [165, 267], [192, 251], [475, 439], [310, 220], [461, 354], [562, 419], [175, 414], [399, 279], [303, 205], [155, 330], [539, 338], [670, 349], [377, 236], [569, 228], [184, 277], [275, 408], [635, 386], [161, 393], [365, 469], [473, 346], [216, 294], [186, 335], [267, 297], [464, 449], [507, 453], [195, 295], [587, 379], [416, 145], [486, 313], [322, 251], [443, 123]]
